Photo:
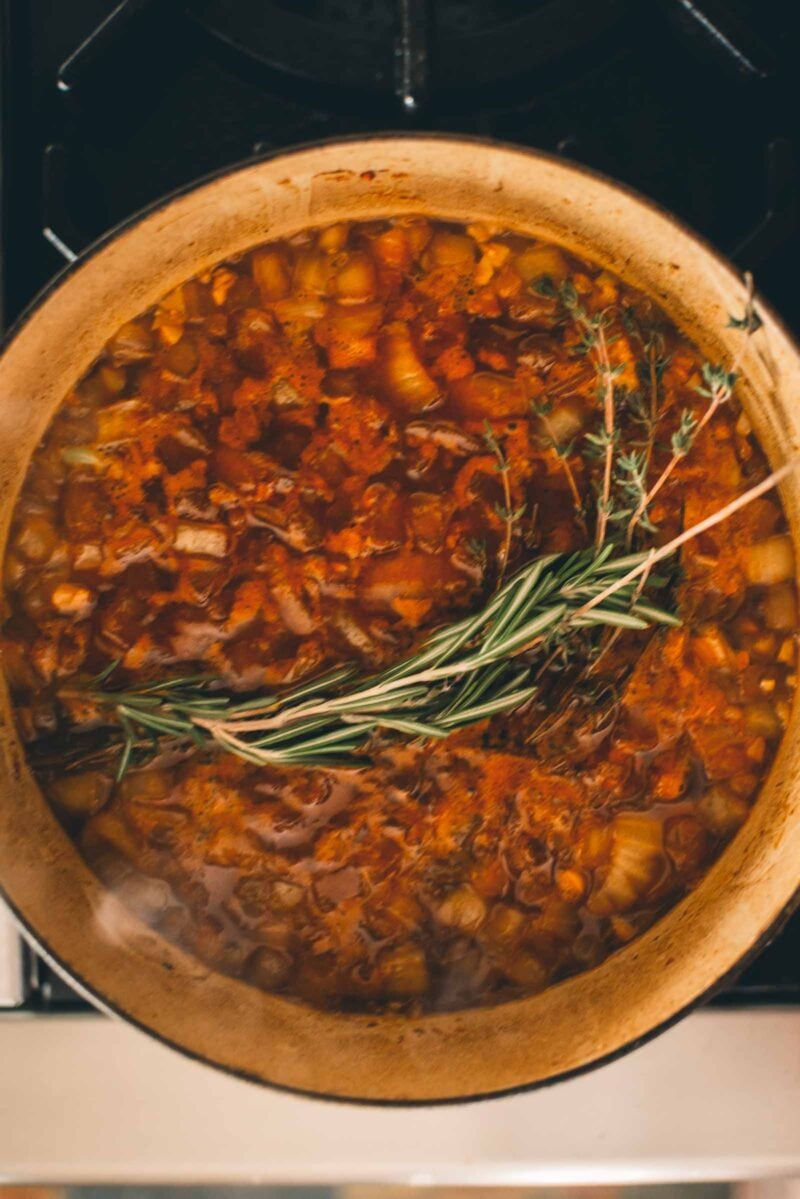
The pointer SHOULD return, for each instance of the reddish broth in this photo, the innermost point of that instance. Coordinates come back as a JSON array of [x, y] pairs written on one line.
[[282, 467]]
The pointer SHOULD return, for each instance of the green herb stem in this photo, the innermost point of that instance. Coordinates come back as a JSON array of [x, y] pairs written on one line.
[[479, 667]]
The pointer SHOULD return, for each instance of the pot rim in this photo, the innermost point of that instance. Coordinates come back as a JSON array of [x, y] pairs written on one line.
[[162, 203]]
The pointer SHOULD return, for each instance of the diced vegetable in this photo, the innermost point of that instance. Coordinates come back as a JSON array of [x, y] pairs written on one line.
[[462, 909], [333, 238], [132, 343], [780, 607], [313, 273], [81, 794], [686, 843], [505, 924], [36, 539], [542, 261], [113, 379], [770, 561], [210, 540], [348, 333], [761, 720], [571, 885], [407, 380], [637, 861], [72, 600], [712, 648], [565, 421], [272, 276], [118, 423], [356, 281], [451, 250], [722, 810], [405, 971], [268, 968], [221, 284], [393, 578], [182, 357], [492, 397], [527, 971]]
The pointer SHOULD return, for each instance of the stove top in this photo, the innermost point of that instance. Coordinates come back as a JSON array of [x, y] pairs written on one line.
[[104, 108]]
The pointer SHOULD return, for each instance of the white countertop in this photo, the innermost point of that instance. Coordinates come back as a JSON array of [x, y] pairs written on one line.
[[86, 1099]]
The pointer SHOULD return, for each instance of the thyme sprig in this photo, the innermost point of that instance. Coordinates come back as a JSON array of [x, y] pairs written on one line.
[[563, 451], [509, 515], [629, 471], [481, 666], [717, 388], [594, 342]]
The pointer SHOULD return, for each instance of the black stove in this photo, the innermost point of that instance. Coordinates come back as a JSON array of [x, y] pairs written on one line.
[[105, 108]]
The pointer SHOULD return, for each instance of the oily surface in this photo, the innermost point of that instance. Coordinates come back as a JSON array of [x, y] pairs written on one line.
[[284, 467]]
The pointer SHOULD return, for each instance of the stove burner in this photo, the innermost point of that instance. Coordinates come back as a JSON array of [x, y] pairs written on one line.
[[726, 34], [459, 44]]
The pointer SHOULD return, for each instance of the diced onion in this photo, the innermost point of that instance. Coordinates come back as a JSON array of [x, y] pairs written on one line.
[[539, 261], [490, 396], [356, 281], [406, 378], [451, 249], [712, 648], [770, 561], [271, 274], [405, 971], [722, 810], [761, 720], [80, 794], [565, 421], [72, 600], [780, 607], [131, 343], [637, 859], [209, 540], [463, 909], [527, 971]]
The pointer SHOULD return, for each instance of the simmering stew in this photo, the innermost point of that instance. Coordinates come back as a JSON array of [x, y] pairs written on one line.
[[315, 455]]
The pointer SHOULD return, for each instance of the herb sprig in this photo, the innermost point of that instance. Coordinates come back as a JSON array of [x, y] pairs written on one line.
[[476, 668], [594, 342], [509, 515], [558, 609], [717, 388]]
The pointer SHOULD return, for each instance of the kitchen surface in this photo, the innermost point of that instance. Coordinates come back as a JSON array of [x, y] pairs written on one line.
[[103, 109], [86, 1099]]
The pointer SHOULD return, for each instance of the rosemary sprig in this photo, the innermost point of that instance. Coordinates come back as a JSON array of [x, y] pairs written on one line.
[[478, 667]]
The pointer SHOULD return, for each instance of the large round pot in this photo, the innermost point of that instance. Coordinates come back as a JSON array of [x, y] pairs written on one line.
[[129, 968]]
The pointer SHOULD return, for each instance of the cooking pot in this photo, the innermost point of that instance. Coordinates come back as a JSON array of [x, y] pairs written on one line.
[[127, 967]]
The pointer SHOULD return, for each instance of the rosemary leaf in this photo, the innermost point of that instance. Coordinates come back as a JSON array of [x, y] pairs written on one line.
[[549, 611]]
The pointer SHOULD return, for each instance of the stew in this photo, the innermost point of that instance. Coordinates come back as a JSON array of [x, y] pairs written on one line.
[[316, 454]]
